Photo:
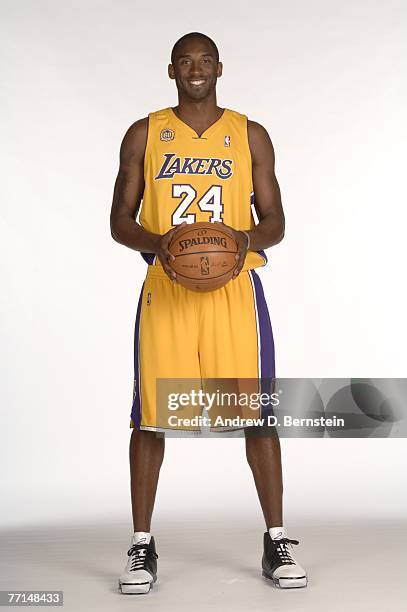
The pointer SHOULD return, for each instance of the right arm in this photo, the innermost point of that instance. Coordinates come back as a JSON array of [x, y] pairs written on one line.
[[127, 196]]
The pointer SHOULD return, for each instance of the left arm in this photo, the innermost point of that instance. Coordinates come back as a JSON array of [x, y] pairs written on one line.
[[270, 229], [267, 196]]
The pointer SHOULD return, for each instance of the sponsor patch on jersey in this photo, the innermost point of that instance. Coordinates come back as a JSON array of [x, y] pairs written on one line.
[[227, 141], [167, 135]]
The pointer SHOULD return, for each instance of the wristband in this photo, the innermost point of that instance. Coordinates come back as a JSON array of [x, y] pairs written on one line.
[[248, 239]]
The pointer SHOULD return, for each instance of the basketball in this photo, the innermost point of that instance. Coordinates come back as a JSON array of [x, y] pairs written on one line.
[[204, 256]]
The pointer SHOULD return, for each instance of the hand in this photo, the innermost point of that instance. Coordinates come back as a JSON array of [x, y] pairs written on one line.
[[163, 253], [242, 242]]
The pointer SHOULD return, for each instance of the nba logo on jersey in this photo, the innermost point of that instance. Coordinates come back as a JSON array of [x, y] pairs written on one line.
[[227, 141], [167, 135]]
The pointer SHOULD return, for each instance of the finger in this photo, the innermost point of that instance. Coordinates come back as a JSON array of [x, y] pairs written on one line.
[[168, 236], [167, 268], [168, 255], [239, 264], [240, 254], [170, 273], [172, 231], [166, 240]]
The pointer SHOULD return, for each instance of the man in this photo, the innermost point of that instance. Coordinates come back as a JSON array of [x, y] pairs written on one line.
[[199, 162]]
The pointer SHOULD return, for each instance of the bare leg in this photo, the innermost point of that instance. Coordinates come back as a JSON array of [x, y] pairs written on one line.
[[264, 457], [146, 457]]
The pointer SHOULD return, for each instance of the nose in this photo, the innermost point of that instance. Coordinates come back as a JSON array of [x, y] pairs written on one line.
[[195, 68]]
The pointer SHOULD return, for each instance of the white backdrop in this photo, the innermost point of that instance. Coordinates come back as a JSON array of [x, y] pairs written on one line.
[[325, 78]]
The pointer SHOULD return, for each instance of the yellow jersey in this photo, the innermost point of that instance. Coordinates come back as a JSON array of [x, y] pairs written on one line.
[[198, 178]]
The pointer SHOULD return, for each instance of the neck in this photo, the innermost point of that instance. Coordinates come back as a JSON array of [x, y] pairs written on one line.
[[206, 110]]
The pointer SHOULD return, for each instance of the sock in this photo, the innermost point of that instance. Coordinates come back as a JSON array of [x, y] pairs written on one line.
[[141, 537], [276, 533]]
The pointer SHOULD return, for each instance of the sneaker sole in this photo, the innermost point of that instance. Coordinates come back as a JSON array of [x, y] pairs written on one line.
[[127, 588], [287, 583]]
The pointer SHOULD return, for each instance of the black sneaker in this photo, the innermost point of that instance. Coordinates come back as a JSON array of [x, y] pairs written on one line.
[[141, 569], [279, 564]]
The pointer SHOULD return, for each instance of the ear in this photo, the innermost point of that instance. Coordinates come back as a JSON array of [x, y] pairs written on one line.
[[220, 69], [171, 72]]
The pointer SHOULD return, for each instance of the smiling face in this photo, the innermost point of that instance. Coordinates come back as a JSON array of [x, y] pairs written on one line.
[[195, 69]]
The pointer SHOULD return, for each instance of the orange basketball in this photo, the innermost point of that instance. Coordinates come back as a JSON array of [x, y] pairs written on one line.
[[204, 256]]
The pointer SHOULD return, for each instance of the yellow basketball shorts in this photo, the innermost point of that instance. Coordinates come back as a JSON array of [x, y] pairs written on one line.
[[182, 334]]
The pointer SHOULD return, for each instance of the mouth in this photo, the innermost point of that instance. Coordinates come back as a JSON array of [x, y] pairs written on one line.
[[196, 82]]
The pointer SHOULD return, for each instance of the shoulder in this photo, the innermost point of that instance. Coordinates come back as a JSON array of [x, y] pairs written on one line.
[[134, 141], [252, 126], [239, 120], [135, 138], [256, 131], [139, 128], [259, 140], [137, 131]]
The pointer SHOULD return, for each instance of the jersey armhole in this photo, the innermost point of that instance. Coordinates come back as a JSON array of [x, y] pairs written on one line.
[[149, 258], [249, 154], [137, 217], [147, 149]]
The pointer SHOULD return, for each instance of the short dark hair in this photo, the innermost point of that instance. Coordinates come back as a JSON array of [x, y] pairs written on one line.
[[188, 37]]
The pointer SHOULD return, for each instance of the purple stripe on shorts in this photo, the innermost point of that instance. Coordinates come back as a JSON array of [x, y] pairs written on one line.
[[265, 333], [136, 407], [267, 364]]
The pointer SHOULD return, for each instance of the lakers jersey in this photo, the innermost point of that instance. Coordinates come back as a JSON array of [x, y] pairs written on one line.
[[190, 178]]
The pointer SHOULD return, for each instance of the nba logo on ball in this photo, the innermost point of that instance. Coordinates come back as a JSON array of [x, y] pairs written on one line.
[[227, 141], [204, 265], [167, 135]]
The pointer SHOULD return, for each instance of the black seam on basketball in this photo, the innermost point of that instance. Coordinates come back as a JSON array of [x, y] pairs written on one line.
[[203, 252], [205, 279]]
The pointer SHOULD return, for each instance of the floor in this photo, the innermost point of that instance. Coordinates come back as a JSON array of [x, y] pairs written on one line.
[[212, 565]]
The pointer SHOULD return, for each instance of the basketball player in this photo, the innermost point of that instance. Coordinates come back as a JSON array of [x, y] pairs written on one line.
[[199, 162]]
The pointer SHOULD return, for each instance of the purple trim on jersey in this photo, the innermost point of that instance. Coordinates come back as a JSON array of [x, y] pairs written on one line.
[[263, 254], [148, 257], [267, 364], [252, 206], [136, 407]]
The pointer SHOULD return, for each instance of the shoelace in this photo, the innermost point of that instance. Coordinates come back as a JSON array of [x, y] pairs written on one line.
[[283, 551], [139, 554]]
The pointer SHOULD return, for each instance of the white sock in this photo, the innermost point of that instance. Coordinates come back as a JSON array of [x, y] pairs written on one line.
[[141, 537], [276, 533]]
